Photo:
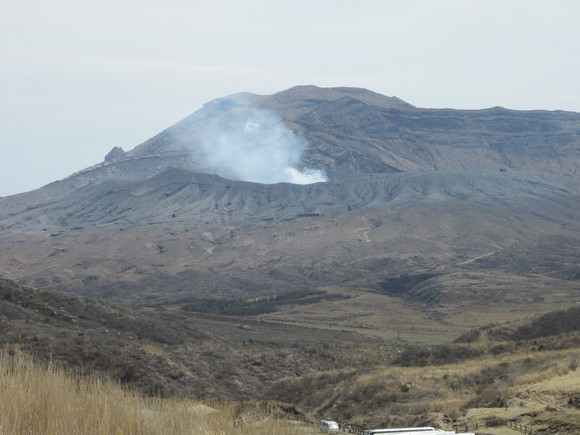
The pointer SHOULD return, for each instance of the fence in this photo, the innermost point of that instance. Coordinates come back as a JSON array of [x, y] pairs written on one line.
[[356, 429], [522, 428], [495, 423]]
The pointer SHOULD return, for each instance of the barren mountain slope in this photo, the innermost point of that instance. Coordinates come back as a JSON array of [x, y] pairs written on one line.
[[148, 227], [182, 236]]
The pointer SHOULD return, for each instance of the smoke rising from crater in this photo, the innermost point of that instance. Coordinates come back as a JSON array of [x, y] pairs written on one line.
[[250, 144]]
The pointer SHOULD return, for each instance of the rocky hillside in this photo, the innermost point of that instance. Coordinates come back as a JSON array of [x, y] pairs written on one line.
[[161, 352]]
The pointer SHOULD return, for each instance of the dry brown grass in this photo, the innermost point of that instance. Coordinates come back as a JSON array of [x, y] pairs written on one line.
[[38, 399], [512, 386]]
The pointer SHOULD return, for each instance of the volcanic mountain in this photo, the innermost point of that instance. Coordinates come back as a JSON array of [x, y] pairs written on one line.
[[452, 209]]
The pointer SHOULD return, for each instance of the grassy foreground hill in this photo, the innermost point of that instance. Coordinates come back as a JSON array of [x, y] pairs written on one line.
[[536, 389], [165, 361], [46, 399]]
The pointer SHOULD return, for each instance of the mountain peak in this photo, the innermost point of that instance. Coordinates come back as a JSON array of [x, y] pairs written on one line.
[[315, 94]]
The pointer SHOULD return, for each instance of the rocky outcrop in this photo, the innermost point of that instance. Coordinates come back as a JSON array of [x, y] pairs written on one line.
[[116, 153]]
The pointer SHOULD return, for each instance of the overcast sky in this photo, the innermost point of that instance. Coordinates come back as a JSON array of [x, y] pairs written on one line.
[[80, 77]]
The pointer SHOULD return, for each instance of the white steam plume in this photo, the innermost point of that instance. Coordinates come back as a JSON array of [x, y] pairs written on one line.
[[251, 144]]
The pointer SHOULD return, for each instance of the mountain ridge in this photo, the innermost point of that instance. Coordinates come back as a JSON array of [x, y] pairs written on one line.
[[353, 130], [343, 193]]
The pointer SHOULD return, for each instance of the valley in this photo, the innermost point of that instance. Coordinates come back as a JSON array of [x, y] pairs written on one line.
[[520, 372]]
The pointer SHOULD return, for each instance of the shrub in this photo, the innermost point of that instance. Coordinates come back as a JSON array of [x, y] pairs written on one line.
[[35, 305], [406, 387]]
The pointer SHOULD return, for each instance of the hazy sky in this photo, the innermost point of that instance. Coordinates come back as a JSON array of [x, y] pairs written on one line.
[[79, 77]]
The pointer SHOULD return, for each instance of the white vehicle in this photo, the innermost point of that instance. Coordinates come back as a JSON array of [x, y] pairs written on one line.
[[329, 426], [402, 431]]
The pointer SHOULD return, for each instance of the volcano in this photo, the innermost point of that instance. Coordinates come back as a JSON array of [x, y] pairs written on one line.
[[446, 208]]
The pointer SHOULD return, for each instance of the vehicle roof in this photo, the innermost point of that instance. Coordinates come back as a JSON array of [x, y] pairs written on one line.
[[403, 430]]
